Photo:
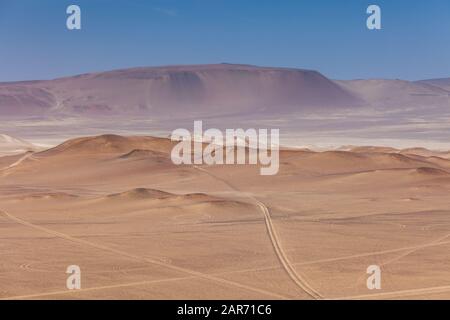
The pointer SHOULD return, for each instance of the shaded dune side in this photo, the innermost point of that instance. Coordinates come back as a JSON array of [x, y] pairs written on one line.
[[115, 144], [155, 194]]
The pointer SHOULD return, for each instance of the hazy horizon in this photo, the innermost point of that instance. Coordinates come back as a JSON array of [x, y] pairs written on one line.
[[331, 38]]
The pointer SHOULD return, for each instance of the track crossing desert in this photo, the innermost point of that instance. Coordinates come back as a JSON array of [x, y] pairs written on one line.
[[140, 227]]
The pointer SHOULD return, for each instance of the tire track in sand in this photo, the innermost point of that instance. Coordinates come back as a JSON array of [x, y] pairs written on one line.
[[139, 258], [18, 162], [298, 279], [398, 294]]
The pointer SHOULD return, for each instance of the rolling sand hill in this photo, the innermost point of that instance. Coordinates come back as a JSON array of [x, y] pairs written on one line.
[[128, 146], [142, 228]]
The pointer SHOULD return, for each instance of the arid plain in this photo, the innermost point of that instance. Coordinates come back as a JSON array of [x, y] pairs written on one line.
[[140, 227]]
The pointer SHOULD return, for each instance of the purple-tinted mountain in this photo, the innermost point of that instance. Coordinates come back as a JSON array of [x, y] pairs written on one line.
[[177, 91]]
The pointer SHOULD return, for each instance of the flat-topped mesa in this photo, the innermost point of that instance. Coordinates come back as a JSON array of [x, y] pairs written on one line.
[[213, 90], [177, 91]]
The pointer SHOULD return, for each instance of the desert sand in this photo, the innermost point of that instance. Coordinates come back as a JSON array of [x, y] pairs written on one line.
[[140, 227]]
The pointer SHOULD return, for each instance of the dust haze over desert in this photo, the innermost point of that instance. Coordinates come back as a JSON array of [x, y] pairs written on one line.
[[87, 179], [312, 109]]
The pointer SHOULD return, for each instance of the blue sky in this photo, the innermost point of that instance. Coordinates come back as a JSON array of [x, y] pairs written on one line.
[[325, 35]]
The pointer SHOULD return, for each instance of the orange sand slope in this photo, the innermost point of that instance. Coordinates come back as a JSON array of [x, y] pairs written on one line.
[[140, 227]]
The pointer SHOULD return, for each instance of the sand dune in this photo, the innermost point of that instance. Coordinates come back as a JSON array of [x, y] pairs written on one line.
[[101, 156], [141, 193], [48, 196], [335, 162], [109, 144], [141, 153], [141, 227], [427, 171], [425, 152], [411, 152]]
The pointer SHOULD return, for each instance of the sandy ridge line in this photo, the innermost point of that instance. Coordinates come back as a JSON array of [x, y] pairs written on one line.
[[274, 239], [18, 162], [138, 258]]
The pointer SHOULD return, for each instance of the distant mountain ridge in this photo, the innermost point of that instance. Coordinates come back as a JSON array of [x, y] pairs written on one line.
[[174, 90], [211, 90], [399, 94], [443, 83]]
